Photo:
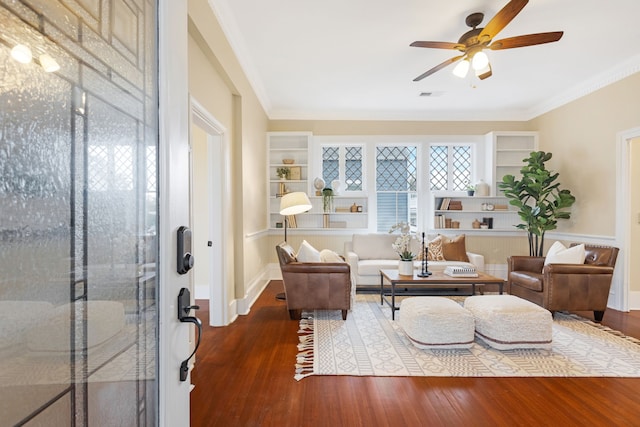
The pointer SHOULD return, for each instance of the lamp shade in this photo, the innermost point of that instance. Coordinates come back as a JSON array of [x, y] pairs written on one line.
[[294, 203]]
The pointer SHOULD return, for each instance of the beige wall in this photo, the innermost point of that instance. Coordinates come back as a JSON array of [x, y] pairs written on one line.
[[582, 136], [217, 82]]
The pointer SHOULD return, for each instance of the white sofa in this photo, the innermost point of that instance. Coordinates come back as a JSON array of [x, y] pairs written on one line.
[[367, 254]]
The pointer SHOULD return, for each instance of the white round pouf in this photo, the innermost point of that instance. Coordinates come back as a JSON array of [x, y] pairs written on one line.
[[436, 322], [506, 322]]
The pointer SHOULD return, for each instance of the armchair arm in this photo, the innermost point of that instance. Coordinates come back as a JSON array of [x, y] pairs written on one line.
[[316, 267], [550, 269], [525, 263], [477, 260]]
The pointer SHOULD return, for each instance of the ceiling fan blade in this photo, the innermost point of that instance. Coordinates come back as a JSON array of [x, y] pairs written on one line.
[[501, 19], [438, 67], [526, 40], [438, 45]]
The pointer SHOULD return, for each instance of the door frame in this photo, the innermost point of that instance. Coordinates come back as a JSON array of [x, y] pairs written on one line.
[[623, 216], [173, 207], [218, 177]]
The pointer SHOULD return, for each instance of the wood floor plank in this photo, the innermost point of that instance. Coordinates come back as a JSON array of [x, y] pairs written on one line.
[[244, 377]]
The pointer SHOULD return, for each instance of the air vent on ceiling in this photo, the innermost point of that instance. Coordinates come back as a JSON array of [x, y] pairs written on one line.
[[431, 94]]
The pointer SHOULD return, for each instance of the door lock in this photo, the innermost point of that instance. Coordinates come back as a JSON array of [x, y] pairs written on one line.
[[185, 257], [184, 307]]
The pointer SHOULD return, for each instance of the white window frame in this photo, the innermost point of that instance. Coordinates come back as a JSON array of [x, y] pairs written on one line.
[[480, 165], [316, 166]]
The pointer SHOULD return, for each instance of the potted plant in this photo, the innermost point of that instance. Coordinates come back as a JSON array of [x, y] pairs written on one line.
[[539, 199], [327, 199], [283, 173], [402, 246], [471, 189]]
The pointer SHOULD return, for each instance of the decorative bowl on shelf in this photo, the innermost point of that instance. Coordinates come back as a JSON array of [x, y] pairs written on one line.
[[287, 161]]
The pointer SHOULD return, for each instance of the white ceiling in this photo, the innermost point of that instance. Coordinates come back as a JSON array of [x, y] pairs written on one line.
[[351, 59]]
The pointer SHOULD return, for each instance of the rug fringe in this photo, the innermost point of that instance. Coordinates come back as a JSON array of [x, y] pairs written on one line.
[[305, 357]]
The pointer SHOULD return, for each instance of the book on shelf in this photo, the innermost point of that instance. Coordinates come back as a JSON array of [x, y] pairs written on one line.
[[460, 271], [444, 204]]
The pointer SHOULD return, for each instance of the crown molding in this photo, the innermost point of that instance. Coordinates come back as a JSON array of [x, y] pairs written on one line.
[[606, 78]]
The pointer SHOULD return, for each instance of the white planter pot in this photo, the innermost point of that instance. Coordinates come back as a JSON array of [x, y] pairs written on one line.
[[405, 268]]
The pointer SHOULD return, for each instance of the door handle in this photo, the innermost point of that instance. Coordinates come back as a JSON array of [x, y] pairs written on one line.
[[184, 307]]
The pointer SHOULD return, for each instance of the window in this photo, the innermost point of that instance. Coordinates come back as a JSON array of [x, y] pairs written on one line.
[[343, 163], [111, 167], [450, 167], [396, 178]]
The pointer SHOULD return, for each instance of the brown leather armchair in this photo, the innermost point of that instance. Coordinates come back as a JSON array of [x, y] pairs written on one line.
[[314, 285], [571, 287]]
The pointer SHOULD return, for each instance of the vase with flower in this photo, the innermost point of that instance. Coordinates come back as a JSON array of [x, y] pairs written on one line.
[[402, 246]]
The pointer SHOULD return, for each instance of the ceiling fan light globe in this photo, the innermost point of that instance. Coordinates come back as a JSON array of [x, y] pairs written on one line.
[[480, 61], [21, 53], [461, 69]]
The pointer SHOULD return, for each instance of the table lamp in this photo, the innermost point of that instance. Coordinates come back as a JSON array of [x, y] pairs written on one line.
[[293, 204]]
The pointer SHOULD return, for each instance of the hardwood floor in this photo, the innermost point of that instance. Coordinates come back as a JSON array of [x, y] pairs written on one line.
[[244, 377]]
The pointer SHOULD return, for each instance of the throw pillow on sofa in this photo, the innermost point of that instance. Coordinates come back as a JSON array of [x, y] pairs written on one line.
[[454, 249], [327, 255], [434, 251], [560, 254], [307, 253]]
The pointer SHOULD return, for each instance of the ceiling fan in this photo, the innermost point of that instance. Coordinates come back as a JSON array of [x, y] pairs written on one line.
[[473, 42]]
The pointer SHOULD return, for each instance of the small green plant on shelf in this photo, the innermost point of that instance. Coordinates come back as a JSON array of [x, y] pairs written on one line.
[[283, 173], [327, 199]]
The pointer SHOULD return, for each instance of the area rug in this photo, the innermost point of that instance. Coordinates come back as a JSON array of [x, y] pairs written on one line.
[[369, 343]]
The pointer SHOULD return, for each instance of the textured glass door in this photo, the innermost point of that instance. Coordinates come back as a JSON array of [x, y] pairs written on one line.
[[78, 160]]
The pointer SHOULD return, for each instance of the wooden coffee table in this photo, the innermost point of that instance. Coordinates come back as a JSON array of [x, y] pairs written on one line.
[[420, 285]]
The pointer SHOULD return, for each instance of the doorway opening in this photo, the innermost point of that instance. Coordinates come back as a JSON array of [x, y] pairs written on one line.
[[209, 196], [628, 219]]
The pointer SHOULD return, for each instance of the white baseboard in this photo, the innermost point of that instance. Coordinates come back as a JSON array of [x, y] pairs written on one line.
[[256, 286]]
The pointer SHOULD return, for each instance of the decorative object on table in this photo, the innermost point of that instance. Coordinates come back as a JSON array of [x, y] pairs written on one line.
[[283, 172], [318, 184], [335, 186], [292, 204], [295, 173], [539, 199], [288, 161], [460, 271], [481, 188], [424, 270], [402, 246], [327, 199]]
